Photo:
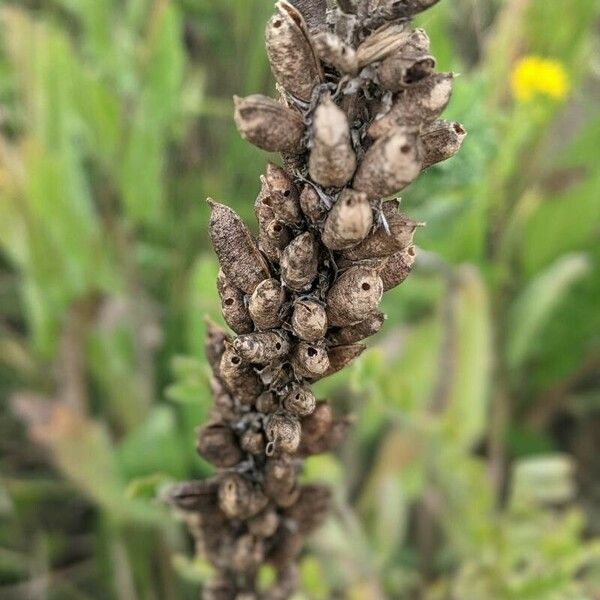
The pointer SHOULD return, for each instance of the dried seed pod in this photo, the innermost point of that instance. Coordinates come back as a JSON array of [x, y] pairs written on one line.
[[417, 105], [247, 554], [218, 445], [312, 205], [311, 509], [224, 408], [263, 347], [394, 9], [291, 54], [381, 43], [355, 295], [313, 11], [397, 268], [300, 400], [233, 306], [239, 499], [355, 333], [441, 141], [266, 403], [253, 442], [266, 303], [332, 160], [403, 69], [264, 524], [327, 442], [386, 241], [390, 164], [269, 125], [282, 195], [239, 257], [280, 477], [333, 51], [349, 221], [214, 346], [342, 356], [194, 496], [309, 320], [310, 360], [239, 378], [283, 431], [272, 239], [300, 262]]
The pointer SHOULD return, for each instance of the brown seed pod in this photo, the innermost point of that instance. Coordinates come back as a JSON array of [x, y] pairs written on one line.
[[397, 268], [283, 432], [233, 306], [264, 524], [333, 51], [224, 409], [194, 496], [291, 54], [300, 400], [312, 205], [218, 445], [282, 195], [394, 9], [239, 257], [239, 498], [441, 141], [309, 320], [266, 403], [247, 554], [269, 125], [329, 441], [310, 360], [342, 356], [300, 262], [272, 239], [417, 105], [214, 345], [349, 221], [280, 477], [315, 426], [384, 241], [390, 164], [332, 160], [403, 69], [313, 11], [253, 442], [266, 303], [355, 333], [239, 378], [311, 508], [263, 347], [355, 295], [386, 40]]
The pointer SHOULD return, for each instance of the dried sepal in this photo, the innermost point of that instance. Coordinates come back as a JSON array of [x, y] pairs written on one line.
[[239, 498], [291, 54], [299, 400], [332, 160], [233, 305], [283, 432], [386, 40], [311, 204], [300, 262], [332, 50], [390, 164], [348, 222], [355, 295], [309, 320], [262, 347], [266, 303], [238, 254], [310, 360], [397, 268], [282, 195], [341, 356], [441, 141], [269, 125], [217, 444], [355, 333], [239, 377]]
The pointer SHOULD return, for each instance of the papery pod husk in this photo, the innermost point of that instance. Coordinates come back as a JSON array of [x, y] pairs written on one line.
[[404, 69], [344, 336], [386, 40], [355, 295], [240, 379], [233, 305], [283, 197], [348, 222], [310, 360], [340, 357], [299, 401], [419, 104], [300, 262], [283, 432], [238, 254], [269, 125], [390, 164], [309, 320], [218, 445], [397, 268], [262, 347], [266, 303], [313, 11], [440, 141], [332, 50], [291, 54], [214, 344], [311, 204], [239, 498], [311, 508], [332, 159], [394, 9]]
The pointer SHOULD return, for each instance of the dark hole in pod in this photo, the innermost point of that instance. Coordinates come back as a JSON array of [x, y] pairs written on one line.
[[312, 351], [366, 287], [236, 360]]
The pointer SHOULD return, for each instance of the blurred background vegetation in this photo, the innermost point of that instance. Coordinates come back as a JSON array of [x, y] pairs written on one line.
[[473, 469]]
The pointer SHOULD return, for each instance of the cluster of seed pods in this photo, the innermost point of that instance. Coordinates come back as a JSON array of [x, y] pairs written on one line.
[[356, 120]]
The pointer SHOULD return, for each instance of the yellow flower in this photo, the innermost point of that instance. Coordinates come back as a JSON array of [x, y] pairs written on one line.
[[533, 76]]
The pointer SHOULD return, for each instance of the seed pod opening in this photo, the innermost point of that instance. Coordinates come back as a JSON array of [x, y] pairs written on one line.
[[392, 163], [283, 431], [310, 360], [218, 445], [283, 196], [239, 257], [312, 205], [332, 160], [239, 377], [397, 268], [300, 401], [262, 348], [300, 262], [441, 141], [309, 320], [355, 333], [269, 125], [355, 295], [348, 222], [291, 54], [272, 239], [266, 303], [403, 69]]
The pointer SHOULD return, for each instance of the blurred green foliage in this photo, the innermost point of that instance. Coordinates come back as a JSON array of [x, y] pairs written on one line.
[[472, 472]]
